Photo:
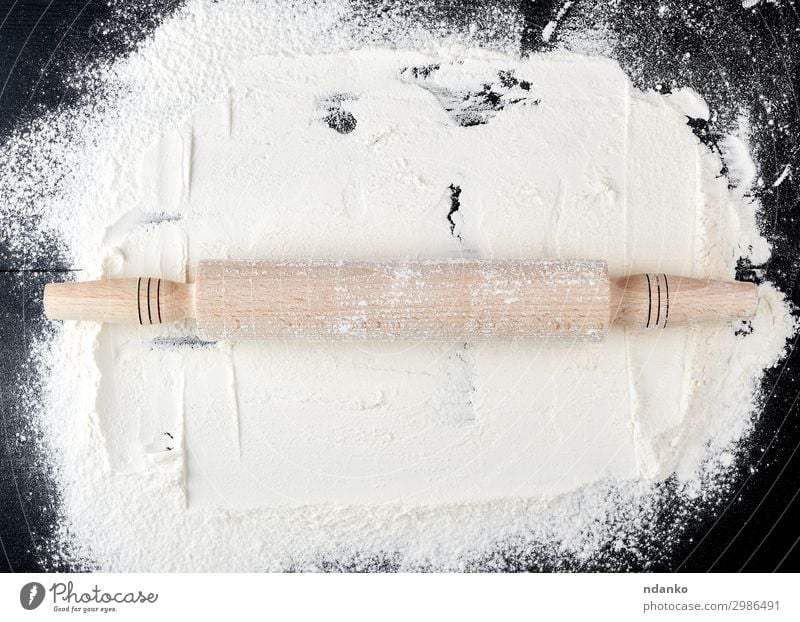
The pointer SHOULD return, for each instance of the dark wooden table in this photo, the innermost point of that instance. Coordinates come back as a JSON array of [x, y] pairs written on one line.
[[737, 59]]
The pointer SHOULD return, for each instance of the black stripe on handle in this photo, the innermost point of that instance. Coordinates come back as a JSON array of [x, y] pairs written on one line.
[[158, 300], [149, 315], [658, 309], [139, 299]]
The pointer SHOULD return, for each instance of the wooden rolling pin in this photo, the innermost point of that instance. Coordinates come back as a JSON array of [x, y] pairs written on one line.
[[404, 299]]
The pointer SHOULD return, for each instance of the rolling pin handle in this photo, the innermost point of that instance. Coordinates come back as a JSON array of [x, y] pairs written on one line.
[[140, 300], [658, 300]]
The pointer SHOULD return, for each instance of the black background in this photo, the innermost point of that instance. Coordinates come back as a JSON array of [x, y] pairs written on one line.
[[738, 59]]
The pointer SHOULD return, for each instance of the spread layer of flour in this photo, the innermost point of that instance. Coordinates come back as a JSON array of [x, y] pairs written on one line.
[[575, 165], [268, 455]]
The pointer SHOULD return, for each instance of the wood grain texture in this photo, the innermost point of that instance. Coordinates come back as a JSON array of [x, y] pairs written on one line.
[[413, 299]]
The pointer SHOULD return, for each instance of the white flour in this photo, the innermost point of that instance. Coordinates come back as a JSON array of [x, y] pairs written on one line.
[[241, 133]]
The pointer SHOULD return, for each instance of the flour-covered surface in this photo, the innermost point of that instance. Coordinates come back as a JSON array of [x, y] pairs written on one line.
[[217, 139]]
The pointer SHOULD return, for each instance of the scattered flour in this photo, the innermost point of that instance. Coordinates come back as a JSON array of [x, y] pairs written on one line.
[[550, 28], [243, 133]]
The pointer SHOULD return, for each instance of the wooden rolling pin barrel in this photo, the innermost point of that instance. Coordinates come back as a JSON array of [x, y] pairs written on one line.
[[405, 299]]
